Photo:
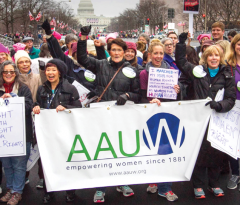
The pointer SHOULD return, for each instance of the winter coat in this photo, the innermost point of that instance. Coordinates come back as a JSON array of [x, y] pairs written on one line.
[[33, 81], [74, 70], [66, 95], [22, 90], [170, 61], [34, 53], [104, 71], [203, 88]]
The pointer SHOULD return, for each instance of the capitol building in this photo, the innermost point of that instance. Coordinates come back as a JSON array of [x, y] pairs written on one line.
[[85, 16]]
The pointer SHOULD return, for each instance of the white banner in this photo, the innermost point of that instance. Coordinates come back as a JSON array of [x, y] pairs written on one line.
[[12, 127], [224, 130], [119, 145], [33, 158]]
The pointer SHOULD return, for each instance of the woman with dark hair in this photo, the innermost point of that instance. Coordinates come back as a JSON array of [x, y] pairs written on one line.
[[145, 59], [44, 52], [15, 167], [191, 55], [56, 93], [231, 34], [124, 85]]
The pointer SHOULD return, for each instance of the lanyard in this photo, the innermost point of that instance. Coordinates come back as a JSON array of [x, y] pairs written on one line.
[[50, 101]]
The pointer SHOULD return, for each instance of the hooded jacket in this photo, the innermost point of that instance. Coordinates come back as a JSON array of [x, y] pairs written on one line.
[[104, 71]]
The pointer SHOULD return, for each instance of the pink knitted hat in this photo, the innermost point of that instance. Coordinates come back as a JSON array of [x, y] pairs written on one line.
[[3, 49], [19, 46], [57, 35], [132, 45], [201, 36], [111, 35]]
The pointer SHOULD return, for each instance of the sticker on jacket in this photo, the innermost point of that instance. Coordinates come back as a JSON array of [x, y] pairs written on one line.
[[129, 72], [238, 86], [89, 76], [199, 72]]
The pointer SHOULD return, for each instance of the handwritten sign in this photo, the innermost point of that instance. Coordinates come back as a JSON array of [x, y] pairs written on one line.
[[82, 91], [33, 158], [161, 82], [224, 130], [12, 127]]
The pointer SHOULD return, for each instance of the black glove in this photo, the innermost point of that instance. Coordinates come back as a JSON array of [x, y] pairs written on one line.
[[85, 30], [41, 64], [91, 95], [46, 26], [183, 37], [214, 105], [121, 100]]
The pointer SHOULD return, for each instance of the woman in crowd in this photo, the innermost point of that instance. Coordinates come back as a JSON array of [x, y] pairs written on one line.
[[145, 39], [4, 56], [156, 53], [56, 93], [131, 55], [233, 60], [214, 76], [204, 46], [124, 85], [146, 59], [74, 69], [15, 167], [231, 34], [70, 38], [224, 46], [202, 38], [168, 53]]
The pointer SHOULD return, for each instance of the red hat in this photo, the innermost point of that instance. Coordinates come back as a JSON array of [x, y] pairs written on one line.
[[132, 45]]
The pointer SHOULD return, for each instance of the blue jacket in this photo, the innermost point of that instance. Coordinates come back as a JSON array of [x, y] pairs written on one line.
[[171, 62]]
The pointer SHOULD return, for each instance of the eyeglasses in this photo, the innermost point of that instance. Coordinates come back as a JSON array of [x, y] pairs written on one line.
[[7, 72], [22, 62], [169, 45], [116, 50]]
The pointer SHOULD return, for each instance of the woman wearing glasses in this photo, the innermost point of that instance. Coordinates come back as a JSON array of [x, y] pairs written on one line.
[[15, 167]]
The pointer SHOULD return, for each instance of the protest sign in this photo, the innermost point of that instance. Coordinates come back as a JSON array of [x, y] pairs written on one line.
[[224, 130], [161, 82], [12, 127], [33, 158], [115, 145], [82, 91]]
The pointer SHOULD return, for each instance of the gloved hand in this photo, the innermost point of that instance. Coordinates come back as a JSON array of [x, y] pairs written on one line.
[[91, 95], [214, 105], [121, 100], [85, 30], [183, 37], [41, 64], [46, 26]]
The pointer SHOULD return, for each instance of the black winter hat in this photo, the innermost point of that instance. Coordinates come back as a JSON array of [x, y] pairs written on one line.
[[61, 66]]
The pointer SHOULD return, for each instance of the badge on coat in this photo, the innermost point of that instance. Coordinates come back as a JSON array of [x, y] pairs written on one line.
[[89, 76], [199, 72], [129, 72], [238, 86]]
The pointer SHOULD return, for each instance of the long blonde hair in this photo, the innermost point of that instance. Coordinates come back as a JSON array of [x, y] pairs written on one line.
[[225, 45], [210, 50], [231, 58], [154, 44]]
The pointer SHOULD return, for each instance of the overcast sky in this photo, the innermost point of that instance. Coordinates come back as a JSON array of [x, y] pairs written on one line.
[[108, 8]]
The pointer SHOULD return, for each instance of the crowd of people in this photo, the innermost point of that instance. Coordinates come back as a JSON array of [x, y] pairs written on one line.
[[45, 78]]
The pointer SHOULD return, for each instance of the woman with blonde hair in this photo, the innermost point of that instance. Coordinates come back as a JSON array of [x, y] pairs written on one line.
[[224, 46], [211, 76], [233, 59], [4, 54]]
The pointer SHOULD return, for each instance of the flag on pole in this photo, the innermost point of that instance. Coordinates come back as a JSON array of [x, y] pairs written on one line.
[[30, 16], [66, 25], [39, 16], [54, 22]]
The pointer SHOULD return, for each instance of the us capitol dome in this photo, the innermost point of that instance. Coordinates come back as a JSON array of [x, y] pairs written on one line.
[[86, 16]]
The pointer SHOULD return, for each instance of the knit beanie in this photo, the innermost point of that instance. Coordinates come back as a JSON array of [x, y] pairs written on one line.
[[207, 43], [111, 35], [131, 45], [19, 54], [74, 48], [57, 35], [61, 66], [90, 46], [201, 36], [3, 49], [19, 46]]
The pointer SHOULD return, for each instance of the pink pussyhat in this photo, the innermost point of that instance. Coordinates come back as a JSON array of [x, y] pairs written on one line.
[[19, 46], [201, 36], [57, 35], [3, 49]]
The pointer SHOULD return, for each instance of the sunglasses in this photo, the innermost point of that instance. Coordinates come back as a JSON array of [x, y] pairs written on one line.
[[6, 72]]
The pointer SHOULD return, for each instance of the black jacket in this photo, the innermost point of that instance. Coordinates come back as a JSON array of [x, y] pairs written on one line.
[[73, 69], [24, 91], [203, 87], [104, 71], [66, 95]]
